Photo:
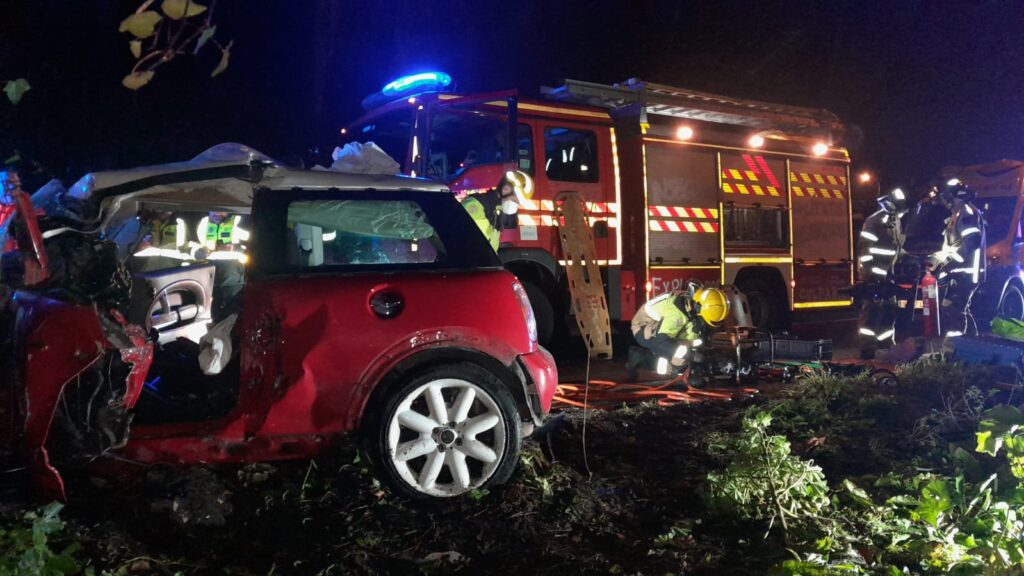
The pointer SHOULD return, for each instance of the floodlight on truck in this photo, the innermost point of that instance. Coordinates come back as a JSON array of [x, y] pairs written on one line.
[[820, 149], [684, 133]]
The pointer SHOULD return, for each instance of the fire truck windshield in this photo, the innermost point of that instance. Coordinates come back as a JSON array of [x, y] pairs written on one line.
[[462, 138], [391, 131]]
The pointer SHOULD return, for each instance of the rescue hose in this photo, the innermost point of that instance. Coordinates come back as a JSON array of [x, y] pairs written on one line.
[[608, 395]]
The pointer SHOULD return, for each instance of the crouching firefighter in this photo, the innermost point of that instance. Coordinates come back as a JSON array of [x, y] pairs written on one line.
[[878, 250], [961, 261], [673, 325], [496, 209]]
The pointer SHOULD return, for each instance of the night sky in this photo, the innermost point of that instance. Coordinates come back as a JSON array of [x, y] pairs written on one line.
[[921, 84]]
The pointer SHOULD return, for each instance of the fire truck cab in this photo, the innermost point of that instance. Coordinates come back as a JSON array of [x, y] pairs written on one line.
[[679, 184]]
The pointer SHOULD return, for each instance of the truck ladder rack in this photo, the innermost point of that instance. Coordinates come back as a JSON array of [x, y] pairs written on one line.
[[664, 100]]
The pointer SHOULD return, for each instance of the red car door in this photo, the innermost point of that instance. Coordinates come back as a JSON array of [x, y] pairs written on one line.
[[341, 284]]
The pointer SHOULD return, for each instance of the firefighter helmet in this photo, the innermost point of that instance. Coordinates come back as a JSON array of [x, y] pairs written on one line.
[[956, 189], [893, 202], [521, 183], [712, 305]]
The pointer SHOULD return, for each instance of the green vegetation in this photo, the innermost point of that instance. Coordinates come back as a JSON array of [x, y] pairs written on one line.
[[912, 499]]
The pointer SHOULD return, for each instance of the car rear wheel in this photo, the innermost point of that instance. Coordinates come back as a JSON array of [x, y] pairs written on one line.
[[445, 432]]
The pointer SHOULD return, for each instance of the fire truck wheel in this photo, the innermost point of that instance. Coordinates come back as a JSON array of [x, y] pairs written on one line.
[[543, 311], [767, 309], [1012, 305]]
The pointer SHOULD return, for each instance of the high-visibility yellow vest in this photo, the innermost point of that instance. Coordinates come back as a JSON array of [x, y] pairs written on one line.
[[478, 212]]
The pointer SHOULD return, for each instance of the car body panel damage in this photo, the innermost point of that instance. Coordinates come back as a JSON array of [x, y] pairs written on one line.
[[55, 343], [260, 315]]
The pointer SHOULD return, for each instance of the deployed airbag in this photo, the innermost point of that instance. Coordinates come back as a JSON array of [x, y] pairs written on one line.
[[400, 220]]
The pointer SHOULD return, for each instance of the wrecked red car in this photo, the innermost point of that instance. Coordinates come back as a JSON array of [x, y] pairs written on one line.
[[230, 309]]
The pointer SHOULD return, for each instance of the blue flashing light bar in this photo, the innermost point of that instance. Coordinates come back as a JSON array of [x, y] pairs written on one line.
[[434, 79]]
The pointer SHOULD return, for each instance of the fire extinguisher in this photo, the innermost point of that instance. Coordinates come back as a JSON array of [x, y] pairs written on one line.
[[929, 288]]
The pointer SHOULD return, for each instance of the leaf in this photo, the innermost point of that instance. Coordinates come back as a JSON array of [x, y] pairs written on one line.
[[178, 9], [137, 80], [996, 423], [136, 47], [934, 501], [225, 55], [15, 89], [204, 38], [141, 25], [857, 493]]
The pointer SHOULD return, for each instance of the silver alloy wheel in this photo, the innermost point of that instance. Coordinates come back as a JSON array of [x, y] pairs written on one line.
[[446, 437]]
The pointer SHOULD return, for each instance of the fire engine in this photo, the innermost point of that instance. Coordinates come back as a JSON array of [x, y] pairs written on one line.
[[679, 185]]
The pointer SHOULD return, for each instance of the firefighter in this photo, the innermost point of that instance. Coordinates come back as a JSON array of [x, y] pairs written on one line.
[[961, 261], [878, 250], [673, 325], [496, 209]]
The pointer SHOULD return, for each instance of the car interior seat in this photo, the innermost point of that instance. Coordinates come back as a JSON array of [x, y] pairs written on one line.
[[173, 302]]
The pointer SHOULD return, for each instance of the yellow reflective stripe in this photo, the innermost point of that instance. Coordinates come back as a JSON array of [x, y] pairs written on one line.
[[750, 175], [736, 174], [823, 304], [726, 187], [742, 188], [757, 190]]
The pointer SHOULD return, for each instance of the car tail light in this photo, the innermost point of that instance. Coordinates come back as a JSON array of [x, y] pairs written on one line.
[[524, 305]]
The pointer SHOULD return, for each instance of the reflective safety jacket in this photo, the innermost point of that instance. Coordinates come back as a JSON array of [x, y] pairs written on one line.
[[484, 210], [879, 245], [963, 245], [660, 315]]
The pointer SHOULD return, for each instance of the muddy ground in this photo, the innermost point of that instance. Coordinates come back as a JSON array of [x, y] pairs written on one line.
[[563, 512]]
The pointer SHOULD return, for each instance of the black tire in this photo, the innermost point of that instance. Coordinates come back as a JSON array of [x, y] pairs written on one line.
[[1012, 304], [767, 306], [376, 428], [543, 311]]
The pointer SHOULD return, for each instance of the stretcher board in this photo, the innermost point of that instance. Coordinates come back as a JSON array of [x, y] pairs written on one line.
[[585, 288]]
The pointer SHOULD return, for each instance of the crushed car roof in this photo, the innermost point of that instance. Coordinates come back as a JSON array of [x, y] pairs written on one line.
[[231, 170]]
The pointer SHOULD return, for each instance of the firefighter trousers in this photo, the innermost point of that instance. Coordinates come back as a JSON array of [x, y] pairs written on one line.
[[877, 324], [662, 345], [956, 303]]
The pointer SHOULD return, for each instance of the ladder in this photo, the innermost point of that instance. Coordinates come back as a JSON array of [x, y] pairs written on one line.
[[664, 100]]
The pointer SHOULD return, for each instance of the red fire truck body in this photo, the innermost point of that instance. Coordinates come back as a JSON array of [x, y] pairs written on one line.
[[679, 184]]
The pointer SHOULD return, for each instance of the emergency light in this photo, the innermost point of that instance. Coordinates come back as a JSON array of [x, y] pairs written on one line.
[[435, 80]]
